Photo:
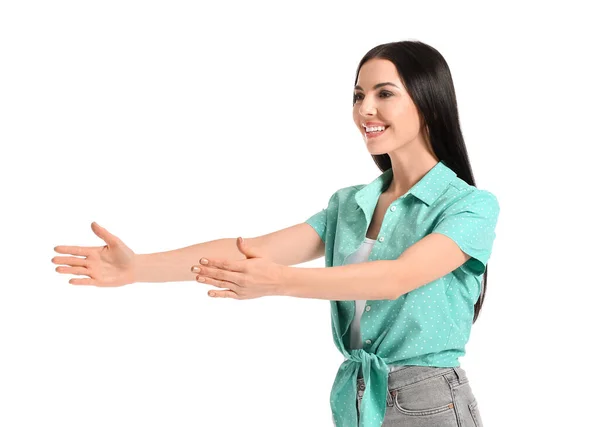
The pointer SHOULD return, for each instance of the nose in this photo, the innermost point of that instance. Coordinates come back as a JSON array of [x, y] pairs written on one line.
[[367, 108]]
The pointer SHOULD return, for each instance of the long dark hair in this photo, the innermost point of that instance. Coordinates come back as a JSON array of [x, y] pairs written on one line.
[[427, 79]]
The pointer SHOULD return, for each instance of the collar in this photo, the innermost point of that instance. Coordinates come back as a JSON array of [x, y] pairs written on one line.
[[427, 189]]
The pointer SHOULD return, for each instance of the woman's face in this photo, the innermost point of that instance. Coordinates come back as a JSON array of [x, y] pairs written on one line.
[[388, 105]]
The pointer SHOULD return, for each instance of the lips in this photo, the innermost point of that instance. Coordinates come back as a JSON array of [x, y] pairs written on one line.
[[371, 135], [371, 124]]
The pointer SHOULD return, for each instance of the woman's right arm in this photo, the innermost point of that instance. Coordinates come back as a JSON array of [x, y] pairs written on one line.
[[290, 246], [115, 264]]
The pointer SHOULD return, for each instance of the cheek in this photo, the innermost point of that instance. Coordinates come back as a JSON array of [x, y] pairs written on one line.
[[405, 121], [355, 117]]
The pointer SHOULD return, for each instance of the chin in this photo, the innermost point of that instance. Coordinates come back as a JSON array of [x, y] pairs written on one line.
[[377, 152], [373, 149]]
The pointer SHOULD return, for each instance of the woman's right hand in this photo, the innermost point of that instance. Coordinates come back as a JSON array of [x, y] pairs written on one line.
[[109, 265]]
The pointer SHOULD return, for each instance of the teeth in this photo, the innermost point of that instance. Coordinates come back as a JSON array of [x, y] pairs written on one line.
[[375, 128]]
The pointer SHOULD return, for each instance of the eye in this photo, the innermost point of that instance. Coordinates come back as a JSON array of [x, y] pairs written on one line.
[[383, 94]]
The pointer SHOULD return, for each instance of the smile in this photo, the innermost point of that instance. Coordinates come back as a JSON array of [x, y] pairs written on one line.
[[371, 135]]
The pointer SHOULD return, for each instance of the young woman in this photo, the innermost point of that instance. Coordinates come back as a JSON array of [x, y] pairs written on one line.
[[407, 253]]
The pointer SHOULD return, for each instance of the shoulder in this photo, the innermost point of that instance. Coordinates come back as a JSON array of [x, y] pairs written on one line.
[[341, 196], [461, 196]]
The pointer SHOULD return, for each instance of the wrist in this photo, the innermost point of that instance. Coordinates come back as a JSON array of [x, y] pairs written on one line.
[[287, 281], [137, 270]]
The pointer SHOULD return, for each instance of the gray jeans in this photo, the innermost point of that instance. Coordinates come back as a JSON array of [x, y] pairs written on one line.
[[424, 396]]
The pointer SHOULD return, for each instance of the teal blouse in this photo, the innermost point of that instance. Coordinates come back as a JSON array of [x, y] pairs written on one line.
[[428, 326]]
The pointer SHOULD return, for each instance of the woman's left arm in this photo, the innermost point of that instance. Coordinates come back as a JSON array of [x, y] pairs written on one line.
[[430, 258]]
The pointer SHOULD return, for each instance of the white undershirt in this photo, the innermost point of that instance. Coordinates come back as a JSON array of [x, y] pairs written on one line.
[[361, 255]]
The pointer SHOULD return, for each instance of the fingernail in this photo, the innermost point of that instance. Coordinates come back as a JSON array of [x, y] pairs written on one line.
[[204, 261], [195, 269]]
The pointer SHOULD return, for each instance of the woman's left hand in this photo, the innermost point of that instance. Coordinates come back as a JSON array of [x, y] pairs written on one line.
[[253, 277]]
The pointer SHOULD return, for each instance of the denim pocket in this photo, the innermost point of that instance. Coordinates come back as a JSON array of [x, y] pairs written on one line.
[[427, 397]]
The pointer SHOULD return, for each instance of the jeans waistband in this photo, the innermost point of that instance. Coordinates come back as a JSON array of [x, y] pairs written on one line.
[[411, 374], [407, 375]]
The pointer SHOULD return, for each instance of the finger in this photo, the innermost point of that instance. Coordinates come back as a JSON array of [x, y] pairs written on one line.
[[86, 281], [79, 271], [248, 250], [77, 250], [73, 261], [223, 294], [223, 264], [223, 275], [104, 234], [215, 282]]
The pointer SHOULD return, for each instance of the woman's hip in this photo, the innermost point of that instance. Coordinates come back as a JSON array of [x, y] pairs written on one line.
[[423, 396]]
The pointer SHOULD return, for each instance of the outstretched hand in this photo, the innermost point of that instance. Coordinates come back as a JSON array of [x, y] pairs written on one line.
[[105, 266], [253, 277]]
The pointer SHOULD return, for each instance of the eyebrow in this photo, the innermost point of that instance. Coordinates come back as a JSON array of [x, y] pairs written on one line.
[[377, 85]]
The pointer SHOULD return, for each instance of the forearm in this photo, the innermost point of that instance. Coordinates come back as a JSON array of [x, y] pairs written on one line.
[[373, 280], [175, 265]]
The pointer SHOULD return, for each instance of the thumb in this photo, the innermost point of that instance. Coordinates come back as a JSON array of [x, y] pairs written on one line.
[[246, 249], [103, 233]]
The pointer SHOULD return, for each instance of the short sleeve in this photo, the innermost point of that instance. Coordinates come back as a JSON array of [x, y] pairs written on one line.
[[318, 221], [471, 223]]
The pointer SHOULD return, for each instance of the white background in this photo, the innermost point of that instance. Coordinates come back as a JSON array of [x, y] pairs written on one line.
[[172, 123]]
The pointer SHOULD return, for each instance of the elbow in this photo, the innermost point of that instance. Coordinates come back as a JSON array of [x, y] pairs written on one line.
[[394, 289], [395, 294], [395, 281]]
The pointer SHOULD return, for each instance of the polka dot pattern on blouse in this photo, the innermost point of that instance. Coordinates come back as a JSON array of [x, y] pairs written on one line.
[[428, 326]]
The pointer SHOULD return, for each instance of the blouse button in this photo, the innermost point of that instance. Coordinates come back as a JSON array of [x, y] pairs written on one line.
[[368, 308], [381, 239], [393, 208], [368, 341]]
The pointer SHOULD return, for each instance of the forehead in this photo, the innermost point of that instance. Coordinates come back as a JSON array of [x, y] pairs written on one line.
[[377, 70]]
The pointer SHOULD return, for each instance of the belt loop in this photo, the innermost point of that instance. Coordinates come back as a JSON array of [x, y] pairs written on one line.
[[389, 398], [460, 374]]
